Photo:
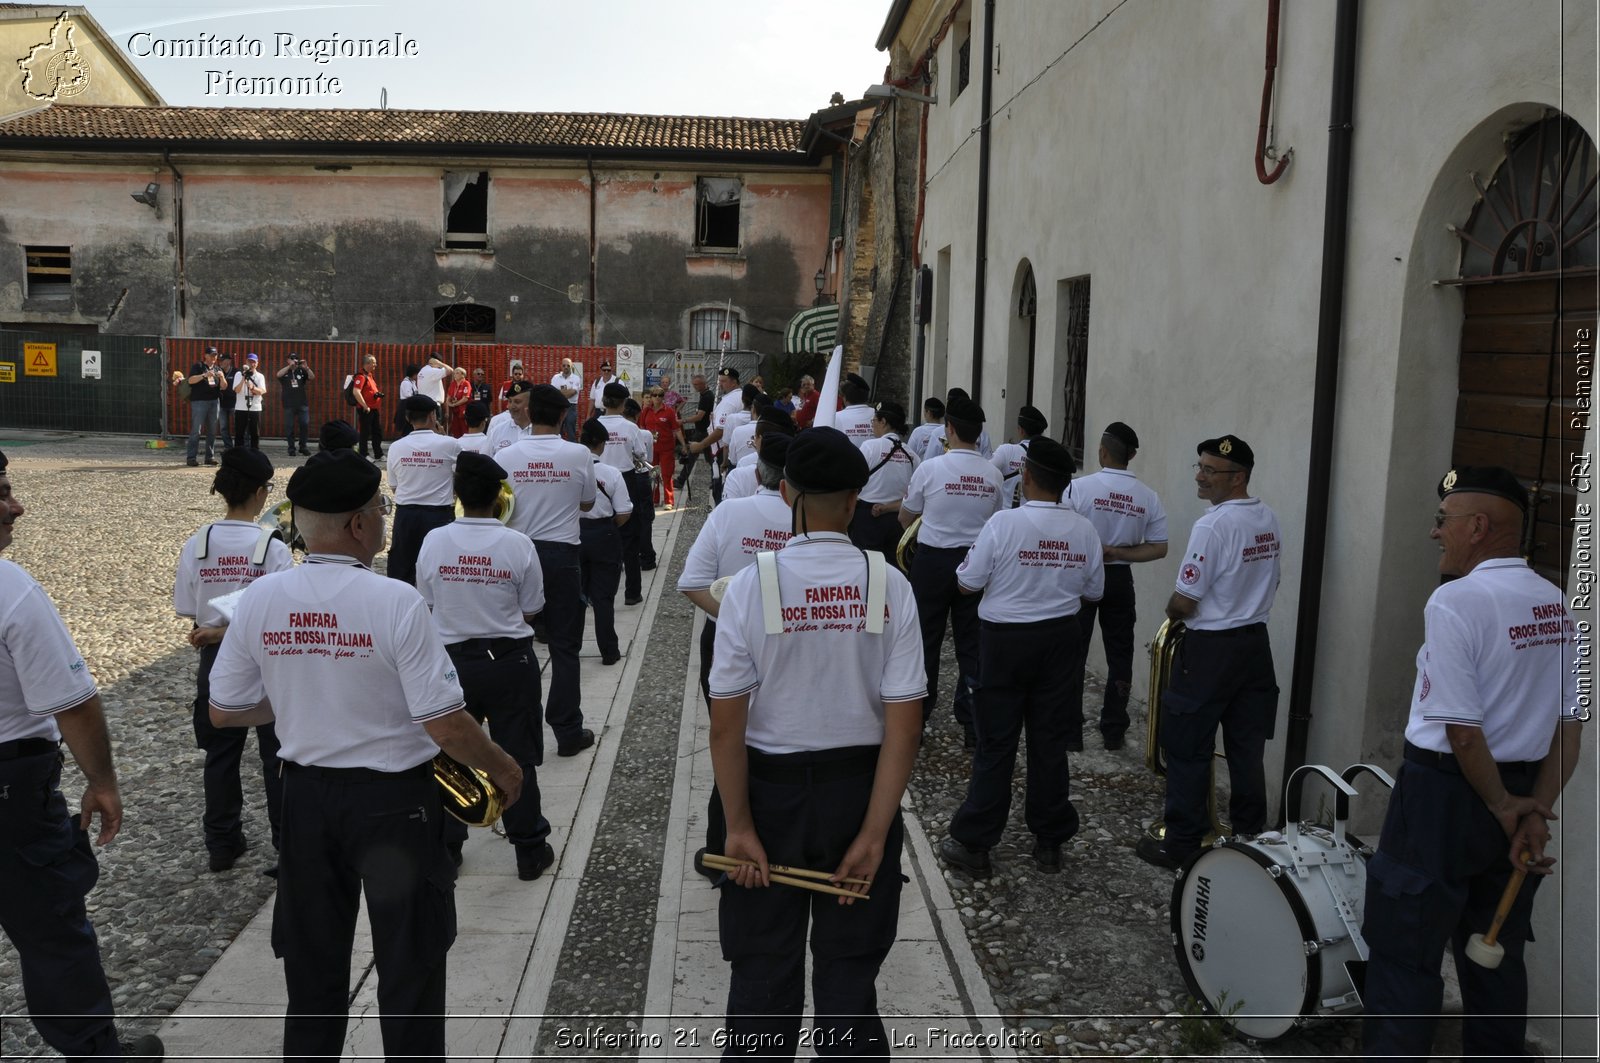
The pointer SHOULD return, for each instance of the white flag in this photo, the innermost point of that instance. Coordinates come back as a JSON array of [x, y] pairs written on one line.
[[828, 397]]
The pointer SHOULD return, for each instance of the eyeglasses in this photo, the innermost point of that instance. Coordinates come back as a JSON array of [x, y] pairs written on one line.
[[1208, 471], [1440, 518]]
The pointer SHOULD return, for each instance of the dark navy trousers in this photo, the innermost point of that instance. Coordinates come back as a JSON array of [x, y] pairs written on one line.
[[411, 525], [224, 749], [600, 564], [500, 681], [563, 622], [1117, 618], [933, 583]]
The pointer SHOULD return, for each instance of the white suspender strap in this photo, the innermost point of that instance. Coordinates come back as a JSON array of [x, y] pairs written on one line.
[[771, 603], [877, 591], [202, 543], [258, 556]]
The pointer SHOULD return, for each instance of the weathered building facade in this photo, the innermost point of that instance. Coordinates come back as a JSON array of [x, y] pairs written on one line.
[[1416, 287]]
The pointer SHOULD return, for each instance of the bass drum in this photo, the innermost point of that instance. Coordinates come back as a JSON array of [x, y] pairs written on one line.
[[1267, 932]]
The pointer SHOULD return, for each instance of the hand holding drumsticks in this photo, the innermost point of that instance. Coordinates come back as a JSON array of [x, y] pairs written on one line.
[[746, 865]]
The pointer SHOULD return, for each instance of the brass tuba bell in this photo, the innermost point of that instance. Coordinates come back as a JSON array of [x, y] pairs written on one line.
[[468, 793], [1163, 654], [507, 503], [907, 549]]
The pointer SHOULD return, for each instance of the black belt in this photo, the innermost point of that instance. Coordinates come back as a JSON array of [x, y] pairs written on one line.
[[493, 647], [27, 747], [813, 766], [425, 509], [1227, 632], [1030, 625], [1447, 762], [421, 771]]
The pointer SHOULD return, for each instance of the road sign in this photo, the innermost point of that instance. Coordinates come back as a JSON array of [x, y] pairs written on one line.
[[39, 359], [91, 365]]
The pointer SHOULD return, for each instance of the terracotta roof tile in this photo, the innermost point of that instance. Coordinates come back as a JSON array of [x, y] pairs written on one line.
[[512, 131]]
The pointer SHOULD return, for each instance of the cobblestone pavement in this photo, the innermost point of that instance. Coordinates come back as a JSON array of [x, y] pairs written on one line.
[[1082, 957]]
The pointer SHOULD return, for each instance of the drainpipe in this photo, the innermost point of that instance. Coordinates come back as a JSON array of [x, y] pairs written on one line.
[[980, 282], [594, 295], [180, 277], [1330, 315]]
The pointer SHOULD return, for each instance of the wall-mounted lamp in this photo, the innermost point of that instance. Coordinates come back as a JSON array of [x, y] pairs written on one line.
[[895, 92], [149, 197], [819, 280]]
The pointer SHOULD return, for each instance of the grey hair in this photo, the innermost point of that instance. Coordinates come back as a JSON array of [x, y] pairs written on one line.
[[769, 475]]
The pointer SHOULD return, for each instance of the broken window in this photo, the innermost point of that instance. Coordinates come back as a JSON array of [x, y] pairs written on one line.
[[717, 212], [466, 210], [463, 319], [49, 271], [707, 326]]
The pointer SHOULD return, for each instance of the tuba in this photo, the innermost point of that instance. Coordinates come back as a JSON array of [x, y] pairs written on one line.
[[1163, 653], [281, 517], [907, 549], [508, 502], [468, 793]]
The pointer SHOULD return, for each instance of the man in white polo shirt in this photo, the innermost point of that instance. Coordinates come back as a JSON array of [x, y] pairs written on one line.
[[570, 383], [512, 423], [1035, 566], [1226, 583], [626, 445], [553, 481], [482, 581], [431, 378], [597, 390], [1133, 528], [422, 466], [1008, 457], [855, 420], [354, 672], [600, 551], [954, 493], [876, 525], [1494, 734]]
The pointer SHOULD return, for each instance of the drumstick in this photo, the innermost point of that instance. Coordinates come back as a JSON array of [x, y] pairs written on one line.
[[816, 882], [728, 863], [1483, 949]]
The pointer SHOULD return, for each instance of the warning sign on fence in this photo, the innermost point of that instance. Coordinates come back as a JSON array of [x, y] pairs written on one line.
[[39, 359], [8, 372]]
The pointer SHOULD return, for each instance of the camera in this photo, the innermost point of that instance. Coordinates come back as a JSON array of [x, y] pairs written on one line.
[[294, 356]]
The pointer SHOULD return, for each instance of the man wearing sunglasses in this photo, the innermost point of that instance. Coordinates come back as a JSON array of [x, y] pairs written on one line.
[[1227, 580]]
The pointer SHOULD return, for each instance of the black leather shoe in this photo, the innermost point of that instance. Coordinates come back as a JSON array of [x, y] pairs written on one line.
[[533, 860], [193, 463], [1156, 853], [211, 461], [633, 599], [973, 860], [1114, 742], [610, 658], [304, 451], [147, 1047], [1048, 856], [584, 740], [224, 859]]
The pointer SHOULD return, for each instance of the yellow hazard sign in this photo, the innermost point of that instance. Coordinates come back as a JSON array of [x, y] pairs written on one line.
[[39, 359], [8, 372]]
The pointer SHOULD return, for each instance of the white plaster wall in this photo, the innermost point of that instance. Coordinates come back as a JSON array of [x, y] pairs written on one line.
[[1131, 161]]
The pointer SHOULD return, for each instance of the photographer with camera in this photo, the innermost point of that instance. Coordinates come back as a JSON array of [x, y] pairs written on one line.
[[293, 380]]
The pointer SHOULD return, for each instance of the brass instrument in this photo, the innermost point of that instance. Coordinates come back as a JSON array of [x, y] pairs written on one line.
[[908, 546], [507, 502], [1163, 652], [281, 517], [468, 793]]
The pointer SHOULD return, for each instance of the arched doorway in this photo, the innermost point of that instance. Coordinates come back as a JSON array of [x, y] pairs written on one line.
[[1528, 272]]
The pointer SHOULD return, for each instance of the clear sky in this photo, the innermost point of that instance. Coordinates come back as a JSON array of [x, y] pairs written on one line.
[[753, 58]]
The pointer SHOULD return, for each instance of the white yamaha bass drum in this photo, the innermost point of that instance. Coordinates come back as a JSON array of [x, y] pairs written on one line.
[[1267, 932]]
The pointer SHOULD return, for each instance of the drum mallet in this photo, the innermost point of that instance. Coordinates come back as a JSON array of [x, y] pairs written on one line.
[[1483, 949]]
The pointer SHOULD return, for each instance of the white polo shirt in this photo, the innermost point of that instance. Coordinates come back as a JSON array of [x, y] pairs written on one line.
[[611, 493], [822, 683], [732, 535], [855, 422], [934, 446], [890, 468], [741, 441], [624, 442], [1231, 565], [479, 577], [1125, 511], [597, 391], [573, 380], [1039, 561], [422, 469], [1498, 656], [1009, 459], [732, 402], [551, 478], [248, 400], [731, 425], [956, 493], [430, 382], [226, 567], [743, 480], [917, 442], [41, 671], [477, 443], [503, 431], [352, 663]]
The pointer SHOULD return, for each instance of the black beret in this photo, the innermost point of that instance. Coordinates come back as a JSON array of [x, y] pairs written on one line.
[[519, 386], [1123, 434], [1485, 480], [338, 435], [614, 394], [823, 460], [1031, 421], [1051, 456], [773, 418], [593, 432], [728, 371], [419, 405], [962, 408], [858, 381], [471, 463], [1230, 447], [334, 481], [249, 463], [955, 393], [775, 448], [546, 396], [477, 413]]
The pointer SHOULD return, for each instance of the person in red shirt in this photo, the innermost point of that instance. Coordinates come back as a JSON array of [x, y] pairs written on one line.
[[661, 421], [501, 393], [368, 398], [457, 394], [806, 402]]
